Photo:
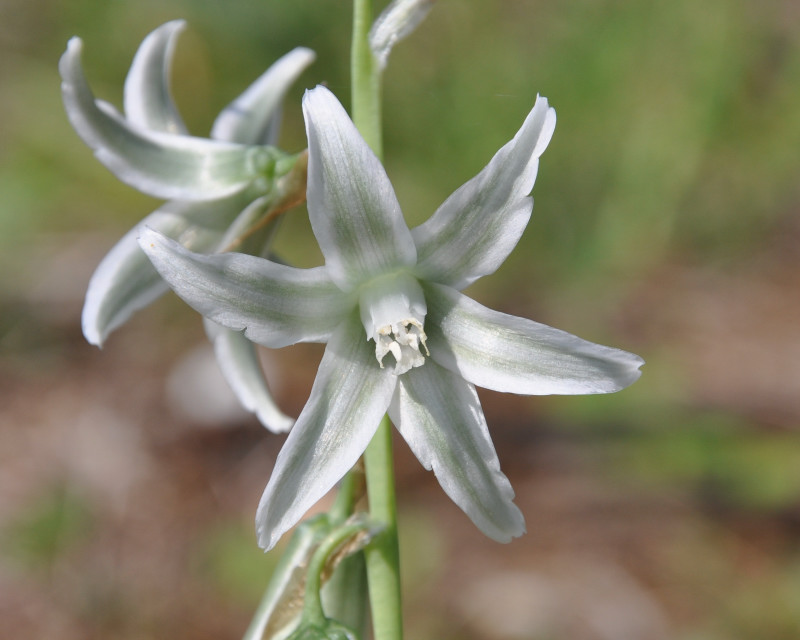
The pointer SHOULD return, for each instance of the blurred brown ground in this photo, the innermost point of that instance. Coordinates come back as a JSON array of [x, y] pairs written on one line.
[[124, 516]]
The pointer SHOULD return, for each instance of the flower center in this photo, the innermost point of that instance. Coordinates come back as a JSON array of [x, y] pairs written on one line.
[[393, 312]]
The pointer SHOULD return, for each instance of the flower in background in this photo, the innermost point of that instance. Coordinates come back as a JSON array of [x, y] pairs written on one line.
[[400, 336], [223, 191]]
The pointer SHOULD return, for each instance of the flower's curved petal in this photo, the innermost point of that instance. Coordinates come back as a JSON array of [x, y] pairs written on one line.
[[349, 396], [126, 281], [159, 164], [238, 361], [441, 419], [476, 228], [506, 353], [274, 304], [147, 99], [253, 117], [353, 209], [395, 23]]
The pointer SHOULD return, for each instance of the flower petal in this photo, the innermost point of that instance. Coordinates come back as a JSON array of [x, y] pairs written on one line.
[[126, 281], [506, 353], [441, 419], [254, 116], [148, 102], [240, 366], [396, 22], [351, 203], [159, 164], [477, 227], [274, 304], [349, 397]]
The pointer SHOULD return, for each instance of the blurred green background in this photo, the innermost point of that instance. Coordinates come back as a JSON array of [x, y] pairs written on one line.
[[667, 223]]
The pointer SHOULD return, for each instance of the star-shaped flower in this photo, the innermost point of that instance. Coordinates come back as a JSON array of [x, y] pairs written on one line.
[[220, 187], [400, 336]]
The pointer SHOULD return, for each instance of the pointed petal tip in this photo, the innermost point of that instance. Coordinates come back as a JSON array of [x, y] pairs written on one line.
[[93, 336], [267, 538], [633, 369], [171, 28], [303, 53], [318, 93], [516, 530], [177, 24], [545, 116], [274, 425], [241, 368], [148, 238], [151, 241], [146, 99], [68, 58]]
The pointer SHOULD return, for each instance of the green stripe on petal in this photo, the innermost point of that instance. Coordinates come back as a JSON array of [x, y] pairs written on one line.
[[126, 281], [238, 361], [441, 419], [351, 203], [349, 397], [147, 99], [159, 164], [478, 226], [254, 116], [505, 353], [273, 304]]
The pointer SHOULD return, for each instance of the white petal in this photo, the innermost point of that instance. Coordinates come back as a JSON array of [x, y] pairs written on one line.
[[148, 102], [351, 203], [126, 281], [506, 353], [159, 164], [274, 304], [252, 118], [240, 366], [348, 399], [441, 419], [396, 22], [477, 227]]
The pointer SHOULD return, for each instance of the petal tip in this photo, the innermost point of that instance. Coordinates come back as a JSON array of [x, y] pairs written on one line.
[[93, 334], [150, 240]]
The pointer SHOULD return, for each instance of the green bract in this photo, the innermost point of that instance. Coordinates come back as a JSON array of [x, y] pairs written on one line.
[[391, 295], [219, 186]]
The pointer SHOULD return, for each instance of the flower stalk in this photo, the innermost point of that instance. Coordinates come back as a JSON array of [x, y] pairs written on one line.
[[383, 553], [366, 79]]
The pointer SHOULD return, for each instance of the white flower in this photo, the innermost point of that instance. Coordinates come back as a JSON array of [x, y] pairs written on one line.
[[388, 293], [219, 187]]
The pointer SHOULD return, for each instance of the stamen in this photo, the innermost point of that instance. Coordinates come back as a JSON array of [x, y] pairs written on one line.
[[402, 340], [392, 311]]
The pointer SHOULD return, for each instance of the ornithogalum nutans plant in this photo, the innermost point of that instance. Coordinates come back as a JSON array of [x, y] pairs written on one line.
[[403, 343]]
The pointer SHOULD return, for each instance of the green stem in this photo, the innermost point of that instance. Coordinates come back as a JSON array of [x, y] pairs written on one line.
[[366, 79], [345, 498], [383, 554]]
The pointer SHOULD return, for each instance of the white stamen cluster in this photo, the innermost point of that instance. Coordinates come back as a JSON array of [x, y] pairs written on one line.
[[402, 340], [393, 312]]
